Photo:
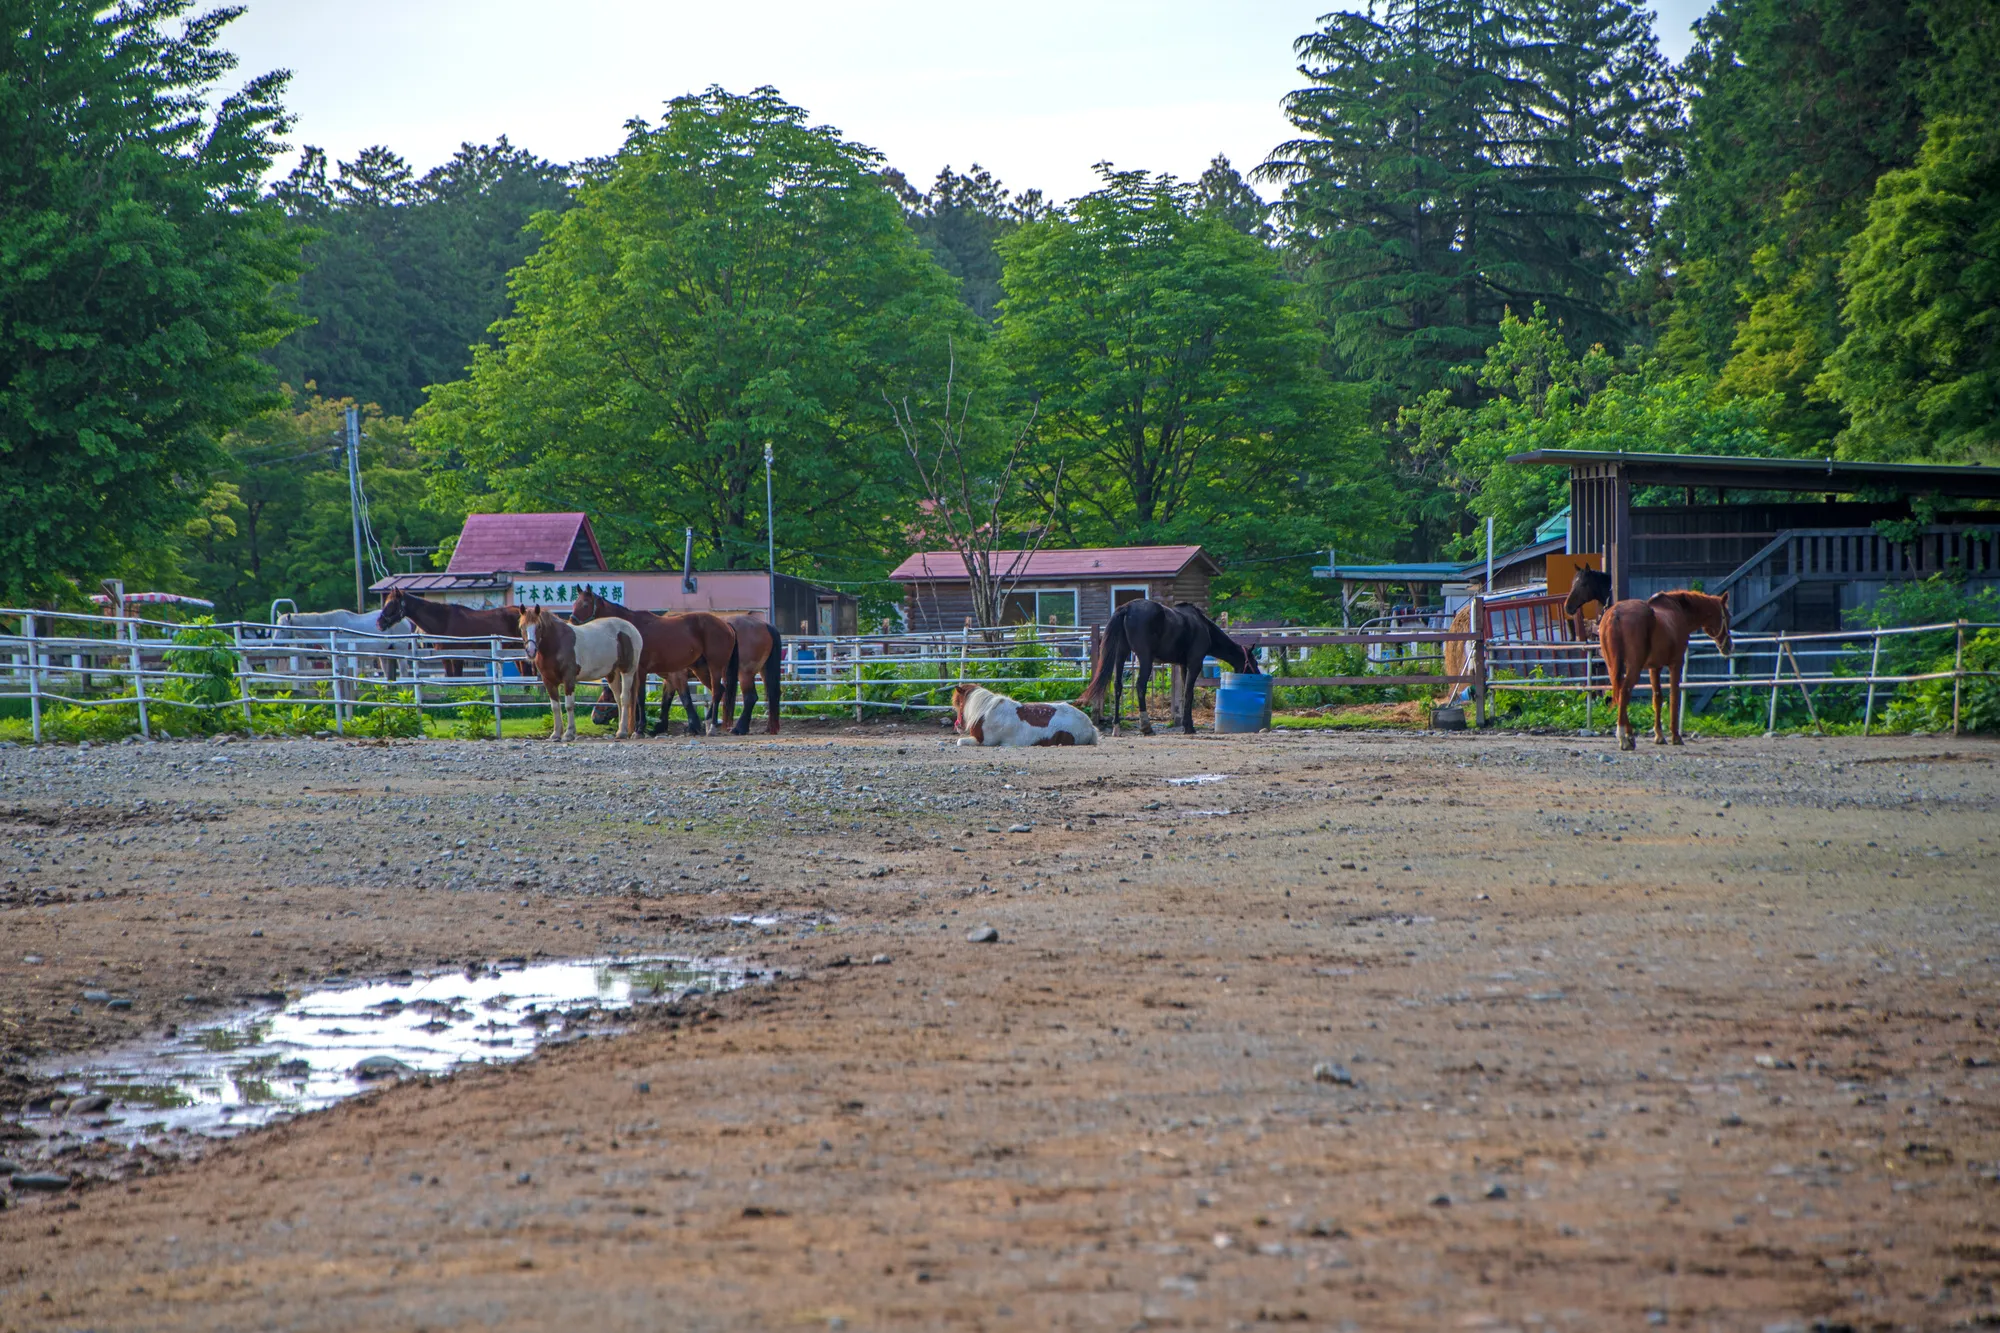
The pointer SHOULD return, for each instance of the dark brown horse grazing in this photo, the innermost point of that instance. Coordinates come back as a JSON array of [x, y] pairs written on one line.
[[1591, 585], [758, 648], [1643, 636], [1180, 635], [450, 622], [694, 641]]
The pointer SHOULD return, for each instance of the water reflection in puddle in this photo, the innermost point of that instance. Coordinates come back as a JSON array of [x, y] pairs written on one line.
[[328, 1044], [1198, 780]]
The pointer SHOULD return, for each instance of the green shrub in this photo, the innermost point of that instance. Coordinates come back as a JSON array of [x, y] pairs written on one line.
[[1925, 705], [385, 714]]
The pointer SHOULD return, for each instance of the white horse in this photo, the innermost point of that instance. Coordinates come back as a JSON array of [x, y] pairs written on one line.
[[346, 636], [323, 628], [563, 653]]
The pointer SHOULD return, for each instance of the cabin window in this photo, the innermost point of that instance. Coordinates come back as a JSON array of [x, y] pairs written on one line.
[[1122, 593], [1045, 607]]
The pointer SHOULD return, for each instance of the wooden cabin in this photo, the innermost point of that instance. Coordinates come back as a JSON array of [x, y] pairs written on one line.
[[1060, 588]]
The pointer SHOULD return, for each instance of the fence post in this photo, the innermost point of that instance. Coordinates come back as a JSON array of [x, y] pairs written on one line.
[[1777, 664], [493, 667], [1589, 696], [417, 697], [1480, 629], [139, 680], [856, 649], [339, 683], [243, 676], [1874, 662], [34, 677], [1957, 678]]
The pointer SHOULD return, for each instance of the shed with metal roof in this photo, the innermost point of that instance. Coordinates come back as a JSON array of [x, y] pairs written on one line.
[[1067, 587]]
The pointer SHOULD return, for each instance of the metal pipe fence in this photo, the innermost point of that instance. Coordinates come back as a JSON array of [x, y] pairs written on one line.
[[331, 679]]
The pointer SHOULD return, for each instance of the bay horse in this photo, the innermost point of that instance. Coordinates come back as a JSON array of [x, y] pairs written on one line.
[[1638, 636], [563, 654], [696, 641], [1590, 585], [759, 648], [447, 621], [1180, 635]]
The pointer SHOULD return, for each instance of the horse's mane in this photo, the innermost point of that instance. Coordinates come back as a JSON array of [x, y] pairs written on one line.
[[1694, 603]]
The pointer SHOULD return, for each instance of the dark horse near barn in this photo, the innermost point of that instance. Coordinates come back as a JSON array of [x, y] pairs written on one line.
[[447, 621], [1590, 585], [1180, 635]]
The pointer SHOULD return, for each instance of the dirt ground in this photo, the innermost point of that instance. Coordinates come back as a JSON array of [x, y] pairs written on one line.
[[1699, 1038]]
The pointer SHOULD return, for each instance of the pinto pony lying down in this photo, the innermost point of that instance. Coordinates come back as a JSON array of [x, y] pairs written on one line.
[[982, 717]]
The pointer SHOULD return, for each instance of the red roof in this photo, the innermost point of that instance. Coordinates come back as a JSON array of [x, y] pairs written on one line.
[[1097, 562], [493, 542]]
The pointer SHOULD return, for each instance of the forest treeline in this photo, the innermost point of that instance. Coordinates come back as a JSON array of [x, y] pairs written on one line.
[[1494, 226]]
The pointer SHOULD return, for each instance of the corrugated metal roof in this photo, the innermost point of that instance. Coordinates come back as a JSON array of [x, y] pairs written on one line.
[[446, 582], [1099, 562], [491, 542]]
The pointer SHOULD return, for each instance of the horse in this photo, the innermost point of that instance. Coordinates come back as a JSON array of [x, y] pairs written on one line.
[[364, 630], [447, 621], [759, 647], [1590, 585], [985, 717], [1180, 635], [1457, 653], [696, 641], [563, 654], [1638, 636]]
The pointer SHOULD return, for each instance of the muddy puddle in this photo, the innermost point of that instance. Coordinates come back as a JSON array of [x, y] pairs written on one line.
[[271, 1064]]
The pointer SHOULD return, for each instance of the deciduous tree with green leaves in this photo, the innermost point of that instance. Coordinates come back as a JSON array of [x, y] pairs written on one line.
[[1543, 396], [734, 276], [1919, 371], [1179, 378], [138, 261]]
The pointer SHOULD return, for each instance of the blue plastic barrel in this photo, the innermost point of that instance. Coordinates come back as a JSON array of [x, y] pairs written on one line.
[[1243, 703]]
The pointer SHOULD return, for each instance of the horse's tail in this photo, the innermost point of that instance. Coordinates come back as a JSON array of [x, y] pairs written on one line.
[[774, 666], [1110, 661]]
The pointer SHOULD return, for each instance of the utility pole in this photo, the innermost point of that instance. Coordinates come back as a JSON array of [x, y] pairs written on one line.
[[354, 503], [770, 533]]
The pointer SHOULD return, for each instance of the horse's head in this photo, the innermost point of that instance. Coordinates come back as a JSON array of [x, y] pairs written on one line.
[[1716, 621], [587, 607], [392, 609], [959, 698], [534, 625], [1591, 585]]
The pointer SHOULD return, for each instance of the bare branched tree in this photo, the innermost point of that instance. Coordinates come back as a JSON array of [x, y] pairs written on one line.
[[966, 506]]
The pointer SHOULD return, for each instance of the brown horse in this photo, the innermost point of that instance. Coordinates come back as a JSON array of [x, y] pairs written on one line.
[[758, 648], [1643, 636], [694, 641], [449, 622]]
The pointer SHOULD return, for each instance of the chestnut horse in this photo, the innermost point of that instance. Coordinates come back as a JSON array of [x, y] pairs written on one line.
[[448, 621], [1644, 636], [758, 648], [694, 641]]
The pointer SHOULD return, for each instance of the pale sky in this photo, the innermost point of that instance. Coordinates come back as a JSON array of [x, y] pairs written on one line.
[[1035, 91]]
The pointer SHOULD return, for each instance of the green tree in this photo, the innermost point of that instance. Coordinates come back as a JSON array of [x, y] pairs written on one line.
[[1543, 396], [1222, 192], [961, 220], [137, 268], [1797, 107], [734, 276], [1178, 380], [1919, 370], [1460, 157], [407, 272], [278, 526]]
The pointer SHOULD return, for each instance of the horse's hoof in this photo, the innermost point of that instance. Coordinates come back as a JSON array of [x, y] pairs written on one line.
[[1628, 743], [1677, 741]]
